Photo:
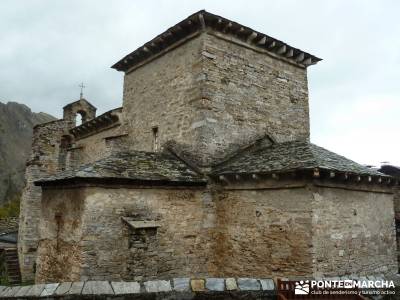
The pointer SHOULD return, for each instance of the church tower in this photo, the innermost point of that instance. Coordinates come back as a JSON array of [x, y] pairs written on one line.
[[213, 85]]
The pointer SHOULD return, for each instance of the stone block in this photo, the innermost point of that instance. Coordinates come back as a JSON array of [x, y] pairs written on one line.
[[2, 288], [76, 288], [231, 284], [267, 284], [248, 284], [45, 289], [197, 285], [123, 288], [215, 284], [157, 286], [63, 288], [380, 277], [4, 291], [182, 284], [10, 292], [22, 292], [97, 288], [209, 55], [363, 279], [335, 278]]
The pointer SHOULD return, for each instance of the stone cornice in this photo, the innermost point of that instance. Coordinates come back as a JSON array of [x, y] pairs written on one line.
[[204, 21]]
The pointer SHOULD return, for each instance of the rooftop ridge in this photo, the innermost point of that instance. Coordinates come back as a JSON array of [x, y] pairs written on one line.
[[202, 20], [80, 100], [257, 144]]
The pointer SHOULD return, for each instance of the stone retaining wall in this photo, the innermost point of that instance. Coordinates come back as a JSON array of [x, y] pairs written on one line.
[[177, 288]]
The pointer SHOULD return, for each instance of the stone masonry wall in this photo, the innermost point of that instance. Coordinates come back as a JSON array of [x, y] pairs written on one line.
[[213, 96], [246, 94], [238, 233], [160, 94], [53, 150], [259, 232], [59, 251], [43, 161], [353, 233], [266, 231], [111, 249], [94, 147]]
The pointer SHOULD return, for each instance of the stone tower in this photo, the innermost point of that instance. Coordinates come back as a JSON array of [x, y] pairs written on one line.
[[213, 85]]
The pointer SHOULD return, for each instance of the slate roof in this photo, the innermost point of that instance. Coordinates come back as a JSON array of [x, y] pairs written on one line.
[[130, 167], [201, 20], [138, 167], [291, 156]]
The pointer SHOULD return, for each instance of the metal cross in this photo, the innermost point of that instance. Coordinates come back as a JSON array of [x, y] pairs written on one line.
[[82, 87]]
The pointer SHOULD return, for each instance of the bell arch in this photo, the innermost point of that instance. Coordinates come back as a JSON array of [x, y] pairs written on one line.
[[82, 108]]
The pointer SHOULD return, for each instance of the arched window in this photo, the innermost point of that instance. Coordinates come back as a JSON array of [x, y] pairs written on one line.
[[79, 112], [81, 117]]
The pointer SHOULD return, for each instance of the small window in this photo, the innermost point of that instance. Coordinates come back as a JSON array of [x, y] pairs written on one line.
[[142, 234], [80, 118], [59, 221], [155, 138]]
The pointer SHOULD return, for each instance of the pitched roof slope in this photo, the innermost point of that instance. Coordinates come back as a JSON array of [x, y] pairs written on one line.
[[201, 20], [133, 166], [291, 156]]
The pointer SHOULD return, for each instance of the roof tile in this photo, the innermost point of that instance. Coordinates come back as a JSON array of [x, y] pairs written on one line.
[[131, 166], [291, 156]]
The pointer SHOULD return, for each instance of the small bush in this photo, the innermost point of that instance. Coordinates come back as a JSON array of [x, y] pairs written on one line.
[[10, 209]]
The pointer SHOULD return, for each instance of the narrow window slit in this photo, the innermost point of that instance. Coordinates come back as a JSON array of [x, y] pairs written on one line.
[[155, 138]]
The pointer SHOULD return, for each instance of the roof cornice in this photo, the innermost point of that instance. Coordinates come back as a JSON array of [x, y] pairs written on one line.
[[202, 20], [106, 120]]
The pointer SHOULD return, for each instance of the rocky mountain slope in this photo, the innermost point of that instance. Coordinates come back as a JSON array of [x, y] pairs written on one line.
[[16, 123]]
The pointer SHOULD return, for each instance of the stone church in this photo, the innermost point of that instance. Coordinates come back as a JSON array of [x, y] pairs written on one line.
[[206, 170]]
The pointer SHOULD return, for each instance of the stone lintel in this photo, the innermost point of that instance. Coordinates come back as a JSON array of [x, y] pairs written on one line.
[[140, 224]]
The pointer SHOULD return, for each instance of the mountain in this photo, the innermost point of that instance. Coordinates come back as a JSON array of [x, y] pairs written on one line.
[[16, 124]]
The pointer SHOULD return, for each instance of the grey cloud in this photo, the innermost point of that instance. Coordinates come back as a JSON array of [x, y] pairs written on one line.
[[49, 47]]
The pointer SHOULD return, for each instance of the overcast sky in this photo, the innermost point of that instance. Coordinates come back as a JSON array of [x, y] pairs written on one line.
[[48, 47]]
